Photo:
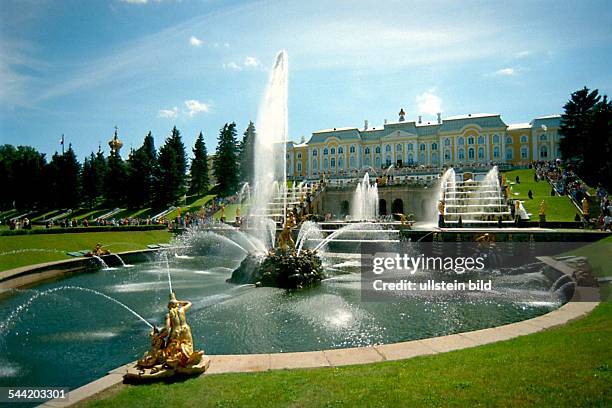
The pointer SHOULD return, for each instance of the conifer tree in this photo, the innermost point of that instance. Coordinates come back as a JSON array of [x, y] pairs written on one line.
[[247, 154], [172, 168], [199, 168], [226, 160]]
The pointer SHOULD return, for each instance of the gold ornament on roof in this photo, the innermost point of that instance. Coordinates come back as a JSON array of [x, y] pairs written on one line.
[[115, 144]]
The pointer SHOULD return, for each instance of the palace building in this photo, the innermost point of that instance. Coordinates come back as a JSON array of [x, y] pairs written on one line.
[[464, 140]]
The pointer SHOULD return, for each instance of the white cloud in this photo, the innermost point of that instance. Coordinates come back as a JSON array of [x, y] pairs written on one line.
[[194, 106], [232, 65], [135, 1], [251, 62], [523, 54], [168, 113], [429, 103], [505, 72], [196, 42]]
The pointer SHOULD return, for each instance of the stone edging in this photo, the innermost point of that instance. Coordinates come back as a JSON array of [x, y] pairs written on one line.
[[584, 301]]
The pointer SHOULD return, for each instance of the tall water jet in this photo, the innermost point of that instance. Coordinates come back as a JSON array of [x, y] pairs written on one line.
[[364, 206], [271, 140]]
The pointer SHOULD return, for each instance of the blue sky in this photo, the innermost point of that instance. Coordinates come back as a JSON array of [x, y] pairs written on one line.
[[82, 67]]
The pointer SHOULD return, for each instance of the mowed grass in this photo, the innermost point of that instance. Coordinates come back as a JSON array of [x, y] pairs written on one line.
[[193, 207], [21, 250], [558, 208], [567, 366], [598, 255], [230, 212]]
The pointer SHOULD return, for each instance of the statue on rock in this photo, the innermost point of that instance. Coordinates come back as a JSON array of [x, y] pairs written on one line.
[[172, 351]]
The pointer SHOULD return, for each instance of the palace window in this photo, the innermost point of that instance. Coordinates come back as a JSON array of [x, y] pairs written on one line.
[[314, 152], [333, 162], [333, 150], [495, 139], [446, 142], [315, 164], [543, 152], [422, 147], [496, 152], [524, 153], [325, 164], [352, 149], [325, 151], [508, 140], [299, 156], [471, 153], [543, 137], [460, 141], [340, 150], [352, 162], [299, 167], [341, 162], [509, 154], [388, 148], [434, 158], [378, 163], [398, 147], [388, 161], [524, 139], [461, 154], [410, 158], [447, 154], [367, 150], [377, 150], [434, 146], [481, 153], [367, 161], [470, 140], [481, 140], [410, 147]]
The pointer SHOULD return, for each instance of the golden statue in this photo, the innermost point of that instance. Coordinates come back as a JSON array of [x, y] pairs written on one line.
[[285, 240], [542, 208], [441, 207], [98, 251], [171, 351], [585, 206]]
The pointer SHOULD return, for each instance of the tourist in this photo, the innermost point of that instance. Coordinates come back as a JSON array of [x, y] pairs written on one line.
[[530, 194], [552, 192], [518, 180], [607, 223]]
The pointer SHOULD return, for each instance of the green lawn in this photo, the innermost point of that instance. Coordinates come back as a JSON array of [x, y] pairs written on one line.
[[23, 250], [193, 207], [598, 255], [558, 208], [563, 367], [230, 212]]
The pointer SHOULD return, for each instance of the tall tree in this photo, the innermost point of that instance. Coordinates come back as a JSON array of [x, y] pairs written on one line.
[[70, 187], [64, 176], [247, 154], [199, 168], [172, 170], [21, 175], [8, 154], [142, 171], [226, 166], [88, 180], [115, 178], [586, 142]]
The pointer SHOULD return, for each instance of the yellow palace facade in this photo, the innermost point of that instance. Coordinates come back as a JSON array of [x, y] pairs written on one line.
[[466, 140]]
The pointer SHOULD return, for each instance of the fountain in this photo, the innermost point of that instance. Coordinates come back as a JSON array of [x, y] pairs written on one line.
[[364, 205], [61, 333], [470, 201], [271, 142]]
